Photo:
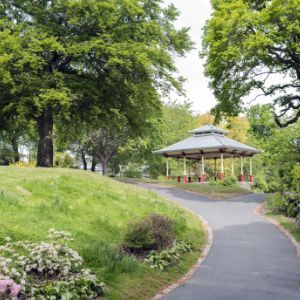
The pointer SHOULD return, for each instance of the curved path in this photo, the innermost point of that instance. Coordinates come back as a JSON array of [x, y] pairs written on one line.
[[250, 258]]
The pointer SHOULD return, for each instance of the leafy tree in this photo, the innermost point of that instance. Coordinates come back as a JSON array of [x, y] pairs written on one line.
[[66, 58], [248, 46]]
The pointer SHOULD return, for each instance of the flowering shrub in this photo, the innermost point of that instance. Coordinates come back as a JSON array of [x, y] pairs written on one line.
[[45, 270], [8, 288], [168, 257]]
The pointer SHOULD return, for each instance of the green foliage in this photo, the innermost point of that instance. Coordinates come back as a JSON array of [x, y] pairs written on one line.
[[287, 204], [260, 184], [230, 181], [227, 181], [133, 171], [64, 160], [156, 232], [169, 257], [116, 58], [254, 47]]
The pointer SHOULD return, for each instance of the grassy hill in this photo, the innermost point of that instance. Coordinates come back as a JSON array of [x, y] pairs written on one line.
[[97, 211]]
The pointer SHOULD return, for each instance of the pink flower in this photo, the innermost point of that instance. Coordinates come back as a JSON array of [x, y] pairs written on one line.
[[9, 288]]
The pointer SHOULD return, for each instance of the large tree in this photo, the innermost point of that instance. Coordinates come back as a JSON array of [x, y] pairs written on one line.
[[254, 45], [80, 56]]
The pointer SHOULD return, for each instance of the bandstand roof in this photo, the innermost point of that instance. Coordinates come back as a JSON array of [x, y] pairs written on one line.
[[210, 141]]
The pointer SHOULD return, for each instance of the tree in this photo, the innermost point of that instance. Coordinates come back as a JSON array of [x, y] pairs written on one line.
[[75, 57], [248, 45]]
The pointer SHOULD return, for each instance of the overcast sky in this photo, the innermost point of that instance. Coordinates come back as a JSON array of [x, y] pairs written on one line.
[[194, 13]]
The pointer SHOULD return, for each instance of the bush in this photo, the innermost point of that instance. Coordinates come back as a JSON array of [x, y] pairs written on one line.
[[260, 184], [287, 204], [64, 160], [46, 271], [230, 181], [214, 182], [133, 171], [168, 257], [155, 232]]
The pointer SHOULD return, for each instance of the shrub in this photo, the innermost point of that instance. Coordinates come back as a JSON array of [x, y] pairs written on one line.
[[133, 171], [64, 160], [214, 182], [287, 204], [260, 184], [230, 181], [168, 257], [155, 232], [46, 270]]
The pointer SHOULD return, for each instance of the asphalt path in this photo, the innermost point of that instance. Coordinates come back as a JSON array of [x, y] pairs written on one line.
[[250, 258]]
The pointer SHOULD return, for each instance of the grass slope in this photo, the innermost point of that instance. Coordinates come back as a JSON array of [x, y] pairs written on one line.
[[97, 211]]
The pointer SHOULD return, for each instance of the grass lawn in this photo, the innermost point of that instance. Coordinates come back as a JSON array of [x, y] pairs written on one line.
[[97, 211], [216, 192], [292, 227]]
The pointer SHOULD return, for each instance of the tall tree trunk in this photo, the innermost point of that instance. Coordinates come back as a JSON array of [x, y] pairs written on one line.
[[45, 146], [94, 163], [104, 164], [84, 162], [15, 147]]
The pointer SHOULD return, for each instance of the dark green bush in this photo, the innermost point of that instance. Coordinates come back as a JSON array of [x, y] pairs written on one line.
[[260, 184], [155, 232], [287, 204], [230, 181], [64, 160], [214, 182], [133, 172]]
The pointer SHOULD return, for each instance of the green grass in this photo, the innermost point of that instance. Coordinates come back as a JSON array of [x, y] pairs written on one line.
[[97, 211], [291, 226], [216, 192]]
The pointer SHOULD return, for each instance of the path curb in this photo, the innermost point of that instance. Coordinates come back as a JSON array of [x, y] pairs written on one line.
[[259, 211], [196, 266]]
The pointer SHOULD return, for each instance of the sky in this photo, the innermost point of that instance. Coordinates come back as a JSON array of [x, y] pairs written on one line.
[[194, 14]]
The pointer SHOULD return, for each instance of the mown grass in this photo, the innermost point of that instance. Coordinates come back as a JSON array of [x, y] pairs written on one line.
[[216, 192], [97, 211], [290, 225]]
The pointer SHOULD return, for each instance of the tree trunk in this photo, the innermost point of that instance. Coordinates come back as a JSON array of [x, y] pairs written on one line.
[[45, 146], [83, 160], [94, 163], [15, 147], [104, 164]]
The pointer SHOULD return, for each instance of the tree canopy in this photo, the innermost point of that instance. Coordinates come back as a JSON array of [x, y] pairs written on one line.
[[64, 59], [254, 46]]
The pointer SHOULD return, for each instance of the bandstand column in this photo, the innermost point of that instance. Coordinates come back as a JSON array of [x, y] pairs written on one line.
[[185, 180], [189, 177], [203, 178], [242, 178], [167, 169], [222, 166], [250, 167], [178, 170]]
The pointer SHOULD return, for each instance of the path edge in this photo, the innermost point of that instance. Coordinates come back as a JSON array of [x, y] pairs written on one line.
[[259, 211], [196, 266]]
